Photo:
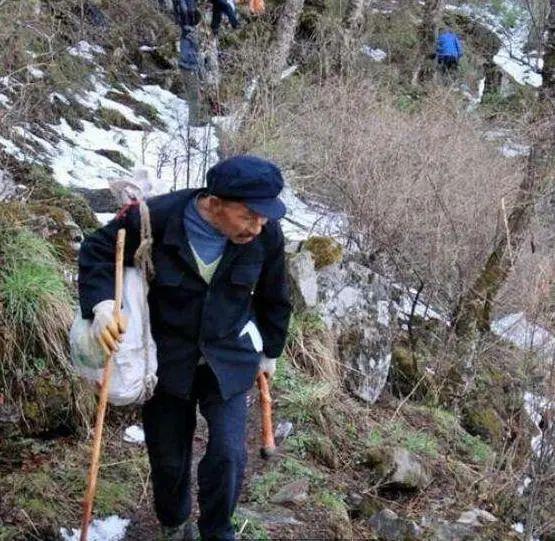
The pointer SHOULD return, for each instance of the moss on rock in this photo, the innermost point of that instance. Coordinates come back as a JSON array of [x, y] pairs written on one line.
[[480, 419], [325, 251]]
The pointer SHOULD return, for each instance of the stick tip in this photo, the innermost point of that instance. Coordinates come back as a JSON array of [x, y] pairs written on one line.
[[267, 452]]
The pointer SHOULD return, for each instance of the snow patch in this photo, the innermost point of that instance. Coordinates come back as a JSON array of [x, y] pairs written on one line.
[[108, 529], [85, 50], [303, 220], [35, 72], [57, 96], [4, 101], [134, 434], [105, 217], [535, 407], [288, 72], [75, 162], [12, 149], [526, 335], [378, 55], [521, 66]]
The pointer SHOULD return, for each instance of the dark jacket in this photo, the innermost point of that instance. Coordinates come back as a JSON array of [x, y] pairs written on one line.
[[190, 318], [449, 46]]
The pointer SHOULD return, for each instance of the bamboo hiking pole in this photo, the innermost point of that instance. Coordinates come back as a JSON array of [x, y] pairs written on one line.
[[103, 399], [268, 445]]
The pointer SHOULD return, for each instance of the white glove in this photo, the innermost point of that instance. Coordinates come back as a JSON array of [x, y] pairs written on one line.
[[267, 366], [107, 329]]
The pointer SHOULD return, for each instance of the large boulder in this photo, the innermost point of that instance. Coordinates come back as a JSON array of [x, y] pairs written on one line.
[[304, 281], [395, 467], [388, 526], [356, 305]]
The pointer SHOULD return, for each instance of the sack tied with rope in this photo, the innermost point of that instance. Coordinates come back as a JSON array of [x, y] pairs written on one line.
[[135, 363]]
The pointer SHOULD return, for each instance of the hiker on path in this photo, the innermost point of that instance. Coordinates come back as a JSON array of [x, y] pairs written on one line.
[[223, 7], [187, 16], [449, 50], [219, 311]]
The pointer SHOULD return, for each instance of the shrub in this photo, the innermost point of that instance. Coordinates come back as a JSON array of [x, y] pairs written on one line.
[[421, 187]]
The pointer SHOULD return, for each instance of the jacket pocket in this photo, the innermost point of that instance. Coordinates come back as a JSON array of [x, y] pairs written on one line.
[[246, 275], [168, 277]]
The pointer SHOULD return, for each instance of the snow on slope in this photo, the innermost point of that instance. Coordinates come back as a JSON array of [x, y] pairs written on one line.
[[523, 67]]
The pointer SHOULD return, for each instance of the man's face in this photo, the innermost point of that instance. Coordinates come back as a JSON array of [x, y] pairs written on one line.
[[235, 220]]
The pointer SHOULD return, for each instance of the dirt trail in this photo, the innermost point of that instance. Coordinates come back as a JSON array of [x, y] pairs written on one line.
[[144, 525]]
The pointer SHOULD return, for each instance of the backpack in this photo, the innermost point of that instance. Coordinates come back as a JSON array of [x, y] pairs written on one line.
[[135, 363]]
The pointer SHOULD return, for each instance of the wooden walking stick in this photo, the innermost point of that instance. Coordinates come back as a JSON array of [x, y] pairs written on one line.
[[103, 398], [268, 445]]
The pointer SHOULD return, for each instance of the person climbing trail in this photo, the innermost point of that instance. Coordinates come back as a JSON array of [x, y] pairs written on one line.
[[219, 308], [187, 16], [223, 7], [449, 50]]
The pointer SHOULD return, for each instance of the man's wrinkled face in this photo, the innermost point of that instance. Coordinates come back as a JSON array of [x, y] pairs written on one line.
[[235, 220]]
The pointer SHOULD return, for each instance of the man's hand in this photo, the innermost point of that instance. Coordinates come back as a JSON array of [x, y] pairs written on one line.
[[106, 328], [267, 366]]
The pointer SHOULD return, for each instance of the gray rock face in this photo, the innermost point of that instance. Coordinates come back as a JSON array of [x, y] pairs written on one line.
[[454, 532], [388, 526], [303, 280], [278, 516], [408, 471], [476, 517], [357, 306], [294, 493], [9, 190]]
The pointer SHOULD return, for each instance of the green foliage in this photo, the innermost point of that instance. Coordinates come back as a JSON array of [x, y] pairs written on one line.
[[263, 487], [250, 528], [475, 448], [332, 501], [399, 433], [32, 286], [303, 402], [51, 494]]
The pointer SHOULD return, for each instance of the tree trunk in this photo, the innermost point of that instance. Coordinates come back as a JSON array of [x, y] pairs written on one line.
[[284, 37], [352, 21], [473, 313], [549, 57], [354, 14], [433, 11]]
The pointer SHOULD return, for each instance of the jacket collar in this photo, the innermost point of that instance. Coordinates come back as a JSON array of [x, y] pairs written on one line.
[[175, 235]]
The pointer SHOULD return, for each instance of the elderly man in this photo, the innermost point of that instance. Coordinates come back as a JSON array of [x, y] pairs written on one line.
[[219, 311]]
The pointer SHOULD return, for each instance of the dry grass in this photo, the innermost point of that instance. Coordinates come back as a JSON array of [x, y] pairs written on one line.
[[310, 349]]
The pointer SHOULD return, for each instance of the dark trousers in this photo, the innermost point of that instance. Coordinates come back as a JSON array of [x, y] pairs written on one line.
[[448, 63], [220, 7], [188, 49], [169, 424]]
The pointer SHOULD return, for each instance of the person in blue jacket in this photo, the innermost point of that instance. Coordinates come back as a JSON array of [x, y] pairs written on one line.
[[449, 49], [219, 310]]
